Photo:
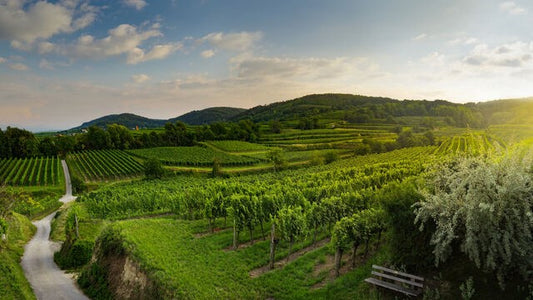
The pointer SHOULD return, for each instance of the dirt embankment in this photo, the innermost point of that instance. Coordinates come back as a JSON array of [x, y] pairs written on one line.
[[114, 273]]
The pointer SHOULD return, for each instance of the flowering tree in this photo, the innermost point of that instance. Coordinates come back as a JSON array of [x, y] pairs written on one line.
[[486, 209]]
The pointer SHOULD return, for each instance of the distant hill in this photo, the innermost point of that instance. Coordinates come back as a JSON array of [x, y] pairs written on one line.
[[348, 108], [209, 115], [126, 119], [364, 109], [508, 111], [310, 106], [197, 117]]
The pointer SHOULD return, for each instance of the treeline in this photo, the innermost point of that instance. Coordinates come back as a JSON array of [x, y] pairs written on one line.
[[20, 143], [363, 109]]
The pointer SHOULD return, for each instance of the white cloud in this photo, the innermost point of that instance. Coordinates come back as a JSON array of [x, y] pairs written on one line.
[[463, 41], [240, 41], [208, 53], [23, 24], [137, 4], [420, 37], [140, 78], [138, 55], [18, 67], [309, 68], [45, 47], [513, 55], [124, 39], [512, 8], [434, 59]]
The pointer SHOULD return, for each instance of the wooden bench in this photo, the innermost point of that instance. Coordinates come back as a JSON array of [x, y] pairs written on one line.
[[407, 284]]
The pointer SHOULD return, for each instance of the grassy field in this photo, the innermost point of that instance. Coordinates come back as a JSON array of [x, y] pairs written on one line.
[[13, 284], [201, 268]]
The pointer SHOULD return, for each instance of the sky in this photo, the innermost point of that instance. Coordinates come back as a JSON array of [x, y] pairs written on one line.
[[69, 61]]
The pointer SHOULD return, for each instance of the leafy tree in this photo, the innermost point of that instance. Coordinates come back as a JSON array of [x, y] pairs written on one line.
[[47, 147], [97, 138], [120, 137], [484, 210], [153, 169], [275, 126], [18, 143], [65, 144]]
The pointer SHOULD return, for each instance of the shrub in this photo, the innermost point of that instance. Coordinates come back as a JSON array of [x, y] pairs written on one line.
[[75, 255], [153, 169], [78, 185], [330, 157]]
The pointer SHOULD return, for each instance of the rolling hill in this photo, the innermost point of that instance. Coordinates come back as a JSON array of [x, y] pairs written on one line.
[[197, 117], [345, 107], [209, 115]]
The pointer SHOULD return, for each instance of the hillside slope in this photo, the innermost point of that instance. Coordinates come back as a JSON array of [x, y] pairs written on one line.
[[363, 109], [209, 115], [197, 117], [126, 119]]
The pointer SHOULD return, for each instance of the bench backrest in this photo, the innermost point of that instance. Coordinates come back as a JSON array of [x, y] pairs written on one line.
[[412, 280]]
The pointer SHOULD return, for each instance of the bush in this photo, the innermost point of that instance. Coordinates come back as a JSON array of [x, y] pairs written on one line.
[[330, 157], [75, 255], [78, 185], [153, 169], [93, 281]]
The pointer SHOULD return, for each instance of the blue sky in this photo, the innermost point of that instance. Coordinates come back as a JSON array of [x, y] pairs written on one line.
[[65, 62]]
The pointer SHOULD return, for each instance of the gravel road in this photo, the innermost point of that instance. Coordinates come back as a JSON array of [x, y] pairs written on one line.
[[46, 279]]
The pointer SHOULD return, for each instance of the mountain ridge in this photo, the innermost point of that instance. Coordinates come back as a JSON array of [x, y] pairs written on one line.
[[347, 107]]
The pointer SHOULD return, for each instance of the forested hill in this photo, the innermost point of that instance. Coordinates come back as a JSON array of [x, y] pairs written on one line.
[[349, 108], [128, 120], [197, 117], [364, 109], [209, 115], [509, 111]]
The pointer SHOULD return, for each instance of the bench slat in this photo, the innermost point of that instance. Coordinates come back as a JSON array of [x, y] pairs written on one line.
[[397, 272], [393, 287], [409, 282]]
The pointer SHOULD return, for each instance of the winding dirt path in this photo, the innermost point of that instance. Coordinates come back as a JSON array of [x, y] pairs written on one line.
[[45, 277]]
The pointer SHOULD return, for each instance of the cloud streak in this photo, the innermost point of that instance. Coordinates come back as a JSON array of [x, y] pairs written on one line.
[[512, 8], [137, 4]]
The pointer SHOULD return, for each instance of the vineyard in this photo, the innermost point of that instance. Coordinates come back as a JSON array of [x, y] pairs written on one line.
[[192, 156], [324, 136], [98, 165], [35, 171], [302, 205], [237, 146], [471, 144]]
